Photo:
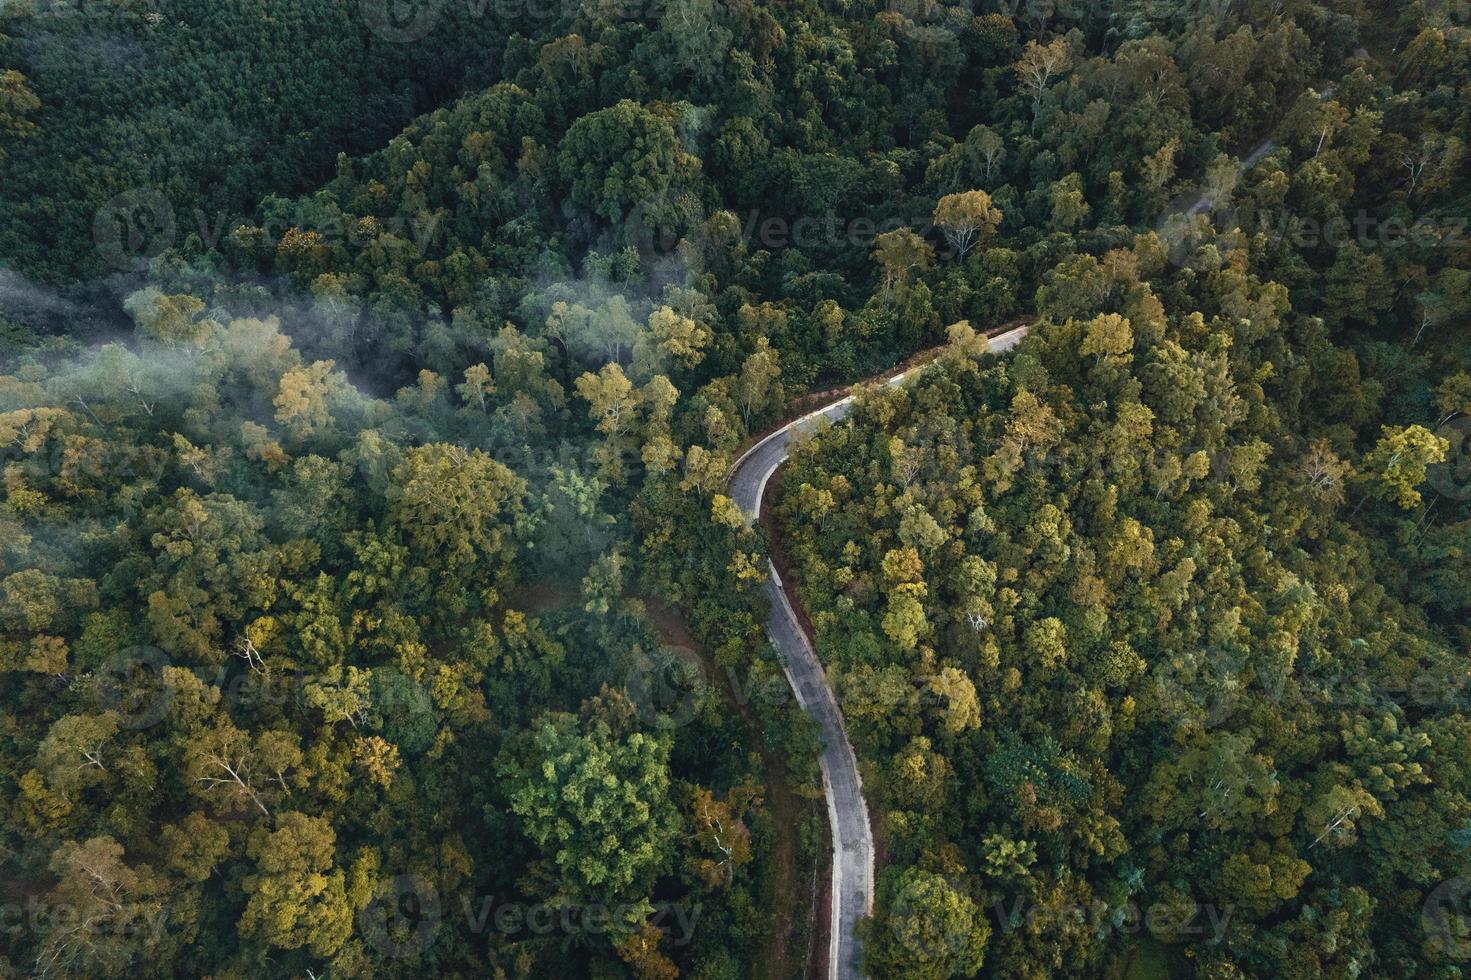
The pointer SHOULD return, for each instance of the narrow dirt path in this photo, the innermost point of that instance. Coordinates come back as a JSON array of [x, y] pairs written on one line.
[[784, 895], [787, 895]]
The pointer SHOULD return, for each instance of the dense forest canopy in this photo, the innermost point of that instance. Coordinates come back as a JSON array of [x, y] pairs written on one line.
[[372, 604]]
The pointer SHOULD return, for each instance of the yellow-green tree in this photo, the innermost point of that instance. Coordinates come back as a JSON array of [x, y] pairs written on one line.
[[967, 219]]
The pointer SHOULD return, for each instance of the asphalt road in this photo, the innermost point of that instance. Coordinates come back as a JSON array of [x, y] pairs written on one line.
[[852, 835]]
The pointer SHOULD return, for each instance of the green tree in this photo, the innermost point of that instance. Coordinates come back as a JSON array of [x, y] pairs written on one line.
[[458, 510], [17, 102], [598, 806], [758, 389], [1038, 66], [899, 254], [619, 157], [78, 751], [297, 894], [110, 912], [967, 219], [1398, 462], [925, 928]]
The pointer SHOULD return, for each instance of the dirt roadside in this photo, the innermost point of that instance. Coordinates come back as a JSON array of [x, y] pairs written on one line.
[[793, 903]]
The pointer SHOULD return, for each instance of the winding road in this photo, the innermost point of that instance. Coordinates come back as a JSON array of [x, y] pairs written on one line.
[[853, 854], [852, 876]]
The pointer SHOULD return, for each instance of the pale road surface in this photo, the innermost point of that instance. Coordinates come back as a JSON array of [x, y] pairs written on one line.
[[1206, 202], [852, 884]]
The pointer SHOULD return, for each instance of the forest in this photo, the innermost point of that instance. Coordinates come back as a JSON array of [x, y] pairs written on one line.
[[373, 601]]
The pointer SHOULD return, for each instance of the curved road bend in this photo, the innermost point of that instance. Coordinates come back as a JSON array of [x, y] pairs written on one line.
[[852, 885], [852, 891]]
